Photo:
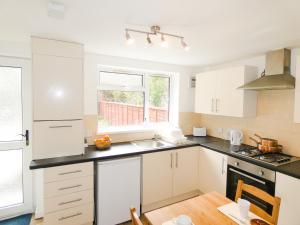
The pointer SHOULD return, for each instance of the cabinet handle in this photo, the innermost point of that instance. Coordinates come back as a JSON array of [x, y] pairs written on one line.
[[70, 172], [70, 187], [62, 126], [217, 108], [72, 201], [176, 159], [171, 165], [67, 217], [223, 161], [212, 104]]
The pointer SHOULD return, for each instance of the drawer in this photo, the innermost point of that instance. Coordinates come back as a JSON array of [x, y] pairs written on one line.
[[68, 186], [57, 138], [83, 214], [58, 203], [60, 173]]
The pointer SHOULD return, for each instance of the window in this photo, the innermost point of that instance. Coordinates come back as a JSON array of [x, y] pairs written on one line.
[[126, 99]]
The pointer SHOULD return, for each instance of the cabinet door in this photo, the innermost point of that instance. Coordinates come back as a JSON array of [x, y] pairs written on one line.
[[157, 176], [57, 87], [212, 171], [185, 170], [230, 100], [287, 188], [205, 92]]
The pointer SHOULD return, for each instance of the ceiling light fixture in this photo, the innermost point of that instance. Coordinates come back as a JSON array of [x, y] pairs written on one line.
[[129, 39], [155, 30]]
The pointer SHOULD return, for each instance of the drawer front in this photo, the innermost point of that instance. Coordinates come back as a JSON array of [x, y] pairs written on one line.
[[67, 201], [57, 139], [61, 173], [73, 216], [68, 186]]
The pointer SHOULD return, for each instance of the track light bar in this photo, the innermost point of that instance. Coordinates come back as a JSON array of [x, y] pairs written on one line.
[[155, 30]]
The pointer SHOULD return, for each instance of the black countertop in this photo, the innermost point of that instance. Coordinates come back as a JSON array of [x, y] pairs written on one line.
[[126, 149]]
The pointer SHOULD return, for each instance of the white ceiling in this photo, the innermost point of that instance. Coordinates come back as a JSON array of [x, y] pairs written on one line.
[[216, 30]]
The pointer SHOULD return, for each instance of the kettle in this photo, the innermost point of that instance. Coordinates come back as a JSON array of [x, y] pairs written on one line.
[[235, 137]]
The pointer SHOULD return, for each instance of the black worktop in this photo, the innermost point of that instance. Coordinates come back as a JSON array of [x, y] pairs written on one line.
[[126, 149]]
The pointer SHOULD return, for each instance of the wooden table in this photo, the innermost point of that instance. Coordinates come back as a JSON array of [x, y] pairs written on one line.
[[202, 210]]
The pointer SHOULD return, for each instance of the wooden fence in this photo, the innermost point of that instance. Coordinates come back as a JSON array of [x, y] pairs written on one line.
[[119, 114]]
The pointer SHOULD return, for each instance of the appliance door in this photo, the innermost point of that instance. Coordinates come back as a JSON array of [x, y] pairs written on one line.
[[118, 190], [234, 175]]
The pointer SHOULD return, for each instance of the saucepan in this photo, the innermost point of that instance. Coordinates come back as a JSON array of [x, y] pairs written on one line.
[[267, 144]]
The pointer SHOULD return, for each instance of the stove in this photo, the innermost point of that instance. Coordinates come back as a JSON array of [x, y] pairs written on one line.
[[275, 159]]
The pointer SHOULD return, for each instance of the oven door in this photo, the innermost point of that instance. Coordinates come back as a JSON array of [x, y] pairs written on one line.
[[234, 175]]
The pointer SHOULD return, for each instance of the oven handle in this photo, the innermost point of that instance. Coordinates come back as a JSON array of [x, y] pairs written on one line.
[[246, 175]]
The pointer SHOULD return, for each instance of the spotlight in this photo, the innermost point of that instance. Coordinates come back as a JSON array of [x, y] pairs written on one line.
[[184, 45], [164, 43], [129, 39], [149, 40]]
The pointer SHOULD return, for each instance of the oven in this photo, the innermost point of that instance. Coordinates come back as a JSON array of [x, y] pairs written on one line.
[[251, 174]]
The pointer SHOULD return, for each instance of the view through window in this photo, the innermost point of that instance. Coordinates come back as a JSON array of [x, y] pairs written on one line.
[[132, 99]]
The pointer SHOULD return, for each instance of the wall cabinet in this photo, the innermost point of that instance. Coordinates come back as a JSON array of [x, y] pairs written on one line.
[[287, 188], [216, 92], [169, 173], [212, 171], [297, 92]]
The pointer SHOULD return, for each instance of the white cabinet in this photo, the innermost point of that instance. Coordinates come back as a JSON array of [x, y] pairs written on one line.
[[212, 171], [57, 88], [297, 92], [57, 72], [216, 92], [287, 188], [169, 173]]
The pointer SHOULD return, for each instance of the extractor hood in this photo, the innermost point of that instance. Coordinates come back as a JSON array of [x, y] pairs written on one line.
[[277, 75]]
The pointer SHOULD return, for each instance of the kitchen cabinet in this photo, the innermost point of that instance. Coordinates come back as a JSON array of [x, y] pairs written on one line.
[[297, 92], [216, 92], [169, 174], [212, 171], [287, 188]]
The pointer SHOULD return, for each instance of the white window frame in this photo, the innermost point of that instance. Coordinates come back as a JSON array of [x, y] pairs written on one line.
[[146, 126]]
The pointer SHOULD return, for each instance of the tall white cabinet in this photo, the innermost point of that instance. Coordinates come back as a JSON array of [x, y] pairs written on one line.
[[57, 68], [216, 92]]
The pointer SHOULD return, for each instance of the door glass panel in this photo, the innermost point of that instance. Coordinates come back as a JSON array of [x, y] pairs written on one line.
[[11, 178], [10, 103]]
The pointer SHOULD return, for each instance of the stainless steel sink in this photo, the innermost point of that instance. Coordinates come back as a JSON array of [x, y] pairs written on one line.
[[151, 144]]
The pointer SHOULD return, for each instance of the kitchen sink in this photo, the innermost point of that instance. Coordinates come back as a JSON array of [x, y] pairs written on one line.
[[151, 144]]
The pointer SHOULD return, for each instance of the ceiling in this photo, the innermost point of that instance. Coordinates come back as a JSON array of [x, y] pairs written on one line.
[[216, 30]]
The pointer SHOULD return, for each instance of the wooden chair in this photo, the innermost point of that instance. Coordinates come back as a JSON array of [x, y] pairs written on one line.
[[274, 201], [135, 220]]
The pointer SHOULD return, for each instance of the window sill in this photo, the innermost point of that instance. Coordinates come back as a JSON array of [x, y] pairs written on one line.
[[130, 129]]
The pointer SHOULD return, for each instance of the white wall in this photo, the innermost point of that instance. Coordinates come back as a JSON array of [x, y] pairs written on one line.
[[92, 62], [15, 49]]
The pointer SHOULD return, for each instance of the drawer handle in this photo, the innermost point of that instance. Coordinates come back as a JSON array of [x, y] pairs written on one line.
[[68, 217], [70, 172], [70, 187], [62, 126], [72, 201]]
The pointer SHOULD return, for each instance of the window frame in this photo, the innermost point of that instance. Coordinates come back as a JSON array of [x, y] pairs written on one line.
[[145, 88]]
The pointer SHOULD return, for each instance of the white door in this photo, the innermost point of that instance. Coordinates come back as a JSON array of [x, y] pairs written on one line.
[[186, 170], [15, 151], [212, 171], [205, 92], [157, 176]]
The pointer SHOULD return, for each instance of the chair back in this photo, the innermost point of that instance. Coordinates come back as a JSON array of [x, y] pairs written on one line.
[[266, 197], [135, 220]]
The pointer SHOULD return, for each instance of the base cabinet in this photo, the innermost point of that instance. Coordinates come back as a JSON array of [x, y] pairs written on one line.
[[287, 188], [212, 171], [168, 174]]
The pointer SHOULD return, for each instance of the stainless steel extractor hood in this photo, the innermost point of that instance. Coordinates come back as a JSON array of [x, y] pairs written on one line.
[[277, 74]]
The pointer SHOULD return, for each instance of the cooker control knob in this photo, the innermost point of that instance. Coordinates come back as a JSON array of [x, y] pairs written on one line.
[[261, 173], [237, 164]]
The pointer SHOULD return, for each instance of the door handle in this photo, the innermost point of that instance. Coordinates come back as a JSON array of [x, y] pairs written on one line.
[[26, 136]]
